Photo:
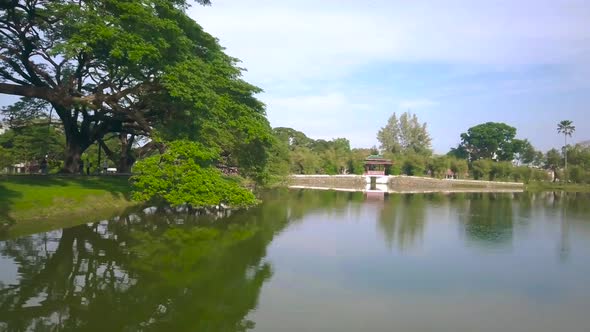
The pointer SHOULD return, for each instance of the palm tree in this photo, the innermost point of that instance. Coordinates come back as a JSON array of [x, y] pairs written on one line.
[[566, 128]]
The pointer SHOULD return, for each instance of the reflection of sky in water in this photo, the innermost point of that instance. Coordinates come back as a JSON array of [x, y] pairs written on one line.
[[344, 262], [8, 271], [500, 261]]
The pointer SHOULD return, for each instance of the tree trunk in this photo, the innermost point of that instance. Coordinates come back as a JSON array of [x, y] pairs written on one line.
[[126, 159], [73, 154], [76, 144]]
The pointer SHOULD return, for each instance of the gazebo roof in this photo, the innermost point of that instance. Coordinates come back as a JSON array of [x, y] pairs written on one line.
[[377, 160]]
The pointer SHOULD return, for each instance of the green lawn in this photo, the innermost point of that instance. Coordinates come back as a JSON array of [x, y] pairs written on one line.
[[37, 203]]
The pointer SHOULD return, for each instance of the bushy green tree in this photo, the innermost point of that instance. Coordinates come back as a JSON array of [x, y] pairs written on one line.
[[305, 161], [553, 162], [127, 67], [439, 165], [33, 141], [540, 175], [491, 140], [500, 170], [481, 169], [525, 152], [277, 167], [405, 135], [356, 162], [414, 164], [459, 167], [579, 155], [185, 174], [577, 174], [521, 173], [6, 158]]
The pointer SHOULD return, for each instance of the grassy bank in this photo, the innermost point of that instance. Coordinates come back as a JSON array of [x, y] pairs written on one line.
[[557, 186], [31, 204]]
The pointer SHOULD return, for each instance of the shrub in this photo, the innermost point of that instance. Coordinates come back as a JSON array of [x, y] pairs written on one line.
[[481, 169], [185, 174]]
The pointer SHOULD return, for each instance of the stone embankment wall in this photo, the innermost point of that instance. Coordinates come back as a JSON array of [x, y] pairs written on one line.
[[401, 183], [351, 182], [404, 183]]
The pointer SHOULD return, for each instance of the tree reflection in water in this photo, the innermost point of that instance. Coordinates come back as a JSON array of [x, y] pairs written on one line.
[[402, 219], [489, 218], [141, 272], [149, 270]]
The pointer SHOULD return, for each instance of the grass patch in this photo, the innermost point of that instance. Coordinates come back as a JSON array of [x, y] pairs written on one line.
[[40, 203]]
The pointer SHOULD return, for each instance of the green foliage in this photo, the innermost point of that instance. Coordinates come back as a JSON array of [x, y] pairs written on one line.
[[577, 174], [25, 111], [128, 67], [525, 152], [305, 161], [218, 109], [438, 166], [553, 159], [481, 169], [406, 135], [459, 167], [6, 158], [566, 127], [579, 155], [540, 175], [185, 174], [459, 152], [277, 167], [414, 164], [491, 140], [292, 137], [32, 141], [521, 174], [356, 162], [500, 170], [309, 156]]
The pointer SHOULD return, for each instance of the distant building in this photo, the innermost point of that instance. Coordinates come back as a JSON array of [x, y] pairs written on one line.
[[376, 165], [3, 128]]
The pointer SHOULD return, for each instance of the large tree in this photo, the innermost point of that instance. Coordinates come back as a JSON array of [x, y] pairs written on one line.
[[123, 67], [491, 140], [405, 135]]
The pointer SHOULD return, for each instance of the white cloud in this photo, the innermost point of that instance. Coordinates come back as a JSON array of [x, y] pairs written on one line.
[[292, 40], [317, 60], [325, 116]]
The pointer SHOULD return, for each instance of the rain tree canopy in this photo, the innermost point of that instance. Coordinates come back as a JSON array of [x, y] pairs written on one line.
[[126, 67]]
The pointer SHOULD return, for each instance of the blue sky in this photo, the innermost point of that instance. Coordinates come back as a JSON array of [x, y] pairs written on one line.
[[338, 68]]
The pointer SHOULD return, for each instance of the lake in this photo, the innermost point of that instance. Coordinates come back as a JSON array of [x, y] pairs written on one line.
[[312, 261]]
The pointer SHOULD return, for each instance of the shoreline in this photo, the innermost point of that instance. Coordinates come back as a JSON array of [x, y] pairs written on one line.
[[31, 204]]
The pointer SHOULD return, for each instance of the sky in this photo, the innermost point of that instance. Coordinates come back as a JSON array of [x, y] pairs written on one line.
[[339, 68]]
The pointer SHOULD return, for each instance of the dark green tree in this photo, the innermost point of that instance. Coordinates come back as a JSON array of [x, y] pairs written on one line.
[[525, 152], [32, 141], [118, 67], [491, 140]]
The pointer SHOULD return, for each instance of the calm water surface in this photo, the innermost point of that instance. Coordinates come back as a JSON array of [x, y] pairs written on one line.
[[312, 261]]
